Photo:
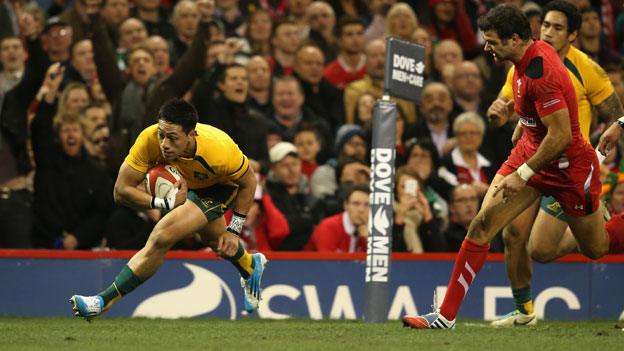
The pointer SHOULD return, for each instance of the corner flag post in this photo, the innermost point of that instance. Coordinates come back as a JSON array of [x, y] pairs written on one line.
[[403, 78]]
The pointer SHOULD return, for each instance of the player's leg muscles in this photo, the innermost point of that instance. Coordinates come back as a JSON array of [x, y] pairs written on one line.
[[548, 240], [183, 221], [496, 214], [242, 260], [176, 225], [515, 236], [210, 232], [590, 234], [493, 216]]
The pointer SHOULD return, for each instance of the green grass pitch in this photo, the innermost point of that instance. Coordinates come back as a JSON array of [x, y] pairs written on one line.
[[113, 334]]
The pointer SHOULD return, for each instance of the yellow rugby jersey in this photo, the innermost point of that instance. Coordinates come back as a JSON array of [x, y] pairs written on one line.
[[591, 83], [217, 160]]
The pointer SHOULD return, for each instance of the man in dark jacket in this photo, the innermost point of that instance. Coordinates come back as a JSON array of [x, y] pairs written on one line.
[[227, 110], [290, 193], [73, 194], [321, 97]]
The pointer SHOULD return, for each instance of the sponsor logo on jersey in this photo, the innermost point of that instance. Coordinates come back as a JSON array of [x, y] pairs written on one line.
[[529, 122]]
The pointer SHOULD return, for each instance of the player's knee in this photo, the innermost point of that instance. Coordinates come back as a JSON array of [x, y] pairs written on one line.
[[540, 255], [477, 231], [595, 252], [160, 240], [512, 237]]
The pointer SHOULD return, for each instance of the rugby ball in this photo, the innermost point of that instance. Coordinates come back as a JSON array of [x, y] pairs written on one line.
[[160, 179]]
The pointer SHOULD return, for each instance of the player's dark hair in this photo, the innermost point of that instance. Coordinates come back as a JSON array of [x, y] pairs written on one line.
[[221, 78], [506, 20], [347, 21], [180, 112], [569, 10]]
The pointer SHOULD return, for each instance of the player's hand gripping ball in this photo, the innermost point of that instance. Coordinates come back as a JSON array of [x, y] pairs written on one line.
[[160, 179]]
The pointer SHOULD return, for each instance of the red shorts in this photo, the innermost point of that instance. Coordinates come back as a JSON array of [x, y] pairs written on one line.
[[576, 186]]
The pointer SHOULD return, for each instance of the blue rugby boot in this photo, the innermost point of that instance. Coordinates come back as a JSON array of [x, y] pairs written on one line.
[[87, 307], [252, 285]]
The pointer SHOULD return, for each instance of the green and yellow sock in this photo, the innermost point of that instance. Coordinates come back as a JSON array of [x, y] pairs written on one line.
[[243, 261], [124, 283], [522, 298]]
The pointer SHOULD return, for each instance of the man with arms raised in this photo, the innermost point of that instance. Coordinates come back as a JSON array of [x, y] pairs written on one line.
[[544, 98], [218, 177]]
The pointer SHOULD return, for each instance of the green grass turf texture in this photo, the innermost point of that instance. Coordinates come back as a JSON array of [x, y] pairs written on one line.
[[114, 334]]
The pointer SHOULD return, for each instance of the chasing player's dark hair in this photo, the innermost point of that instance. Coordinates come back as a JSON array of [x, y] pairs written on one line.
[[506, 20], [180, 112], [569, 10]]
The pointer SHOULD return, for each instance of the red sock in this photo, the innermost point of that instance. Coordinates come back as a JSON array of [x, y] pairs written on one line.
[[615, 230], [468, 263]]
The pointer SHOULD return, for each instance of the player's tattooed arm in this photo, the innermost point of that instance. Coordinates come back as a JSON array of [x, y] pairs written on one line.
[[610, 109]]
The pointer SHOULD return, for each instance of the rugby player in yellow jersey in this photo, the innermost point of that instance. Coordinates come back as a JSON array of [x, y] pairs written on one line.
[[543, 225], [215, 176]]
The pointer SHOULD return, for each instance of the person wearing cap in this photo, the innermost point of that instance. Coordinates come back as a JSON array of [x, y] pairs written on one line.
[[350, 143], [56, 39], [290, 192]]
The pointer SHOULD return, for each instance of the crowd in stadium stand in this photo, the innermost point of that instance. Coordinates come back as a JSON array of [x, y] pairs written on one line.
[[293, 82]]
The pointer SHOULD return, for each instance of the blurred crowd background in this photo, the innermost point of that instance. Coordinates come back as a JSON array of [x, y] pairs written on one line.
[[293, 82]]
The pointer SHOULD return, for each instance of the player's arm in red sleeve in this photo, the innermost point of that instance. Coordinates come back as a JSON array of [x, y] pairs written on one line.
[[551, 106], [556, 141]]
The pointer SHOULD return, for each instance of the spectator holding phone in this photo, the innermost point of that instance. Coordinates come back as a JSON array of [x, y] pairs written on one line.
[[415, 229]]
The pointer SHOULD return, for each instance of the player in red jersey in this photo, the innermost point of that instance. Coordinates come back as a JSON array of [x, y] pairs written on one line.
[[551, 158]]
